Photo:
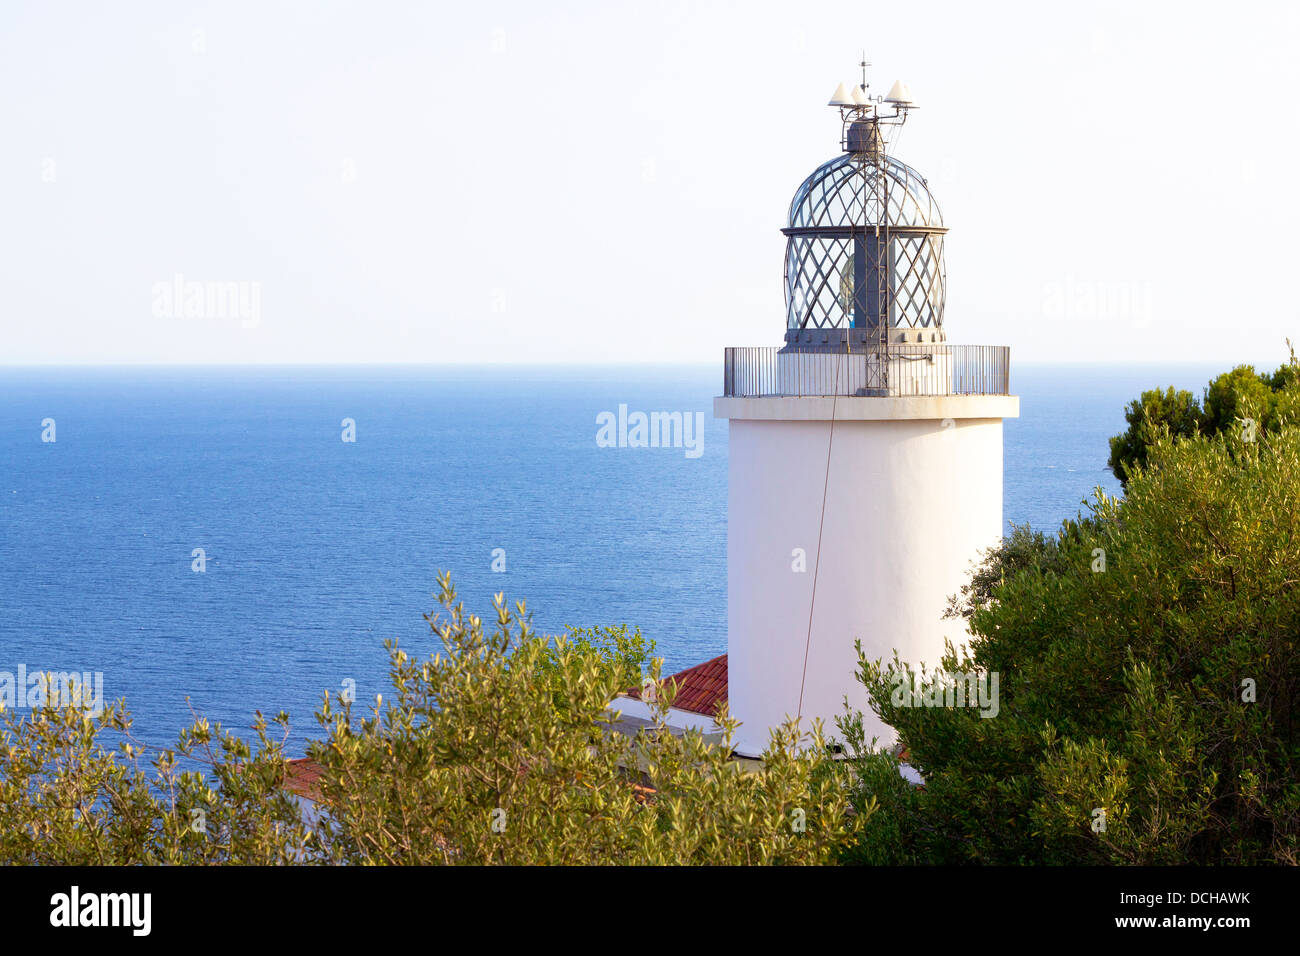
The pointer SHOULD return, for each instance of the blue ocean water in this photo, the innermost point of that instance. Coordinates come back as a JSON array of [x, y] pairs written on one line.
[[317, 549]]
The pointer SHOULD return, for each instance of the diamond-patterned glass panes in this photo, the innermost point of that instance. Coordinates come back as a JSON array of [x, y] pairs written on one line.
[[819, 284], [833, 222], [839, 192], [918, 285]]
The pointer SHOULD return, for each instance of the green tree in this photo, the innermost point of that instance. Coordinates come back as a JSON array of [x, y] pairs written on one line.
[[501, 747], [475, 762], [1152, 416], [73, 791], [1234, 396], [1148, 675], [1241, 400], [620, 653]]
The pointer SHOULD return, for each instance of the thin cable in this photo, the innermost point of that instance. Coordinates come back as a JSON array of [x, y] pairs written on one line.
[[821, 524], [830, 442]]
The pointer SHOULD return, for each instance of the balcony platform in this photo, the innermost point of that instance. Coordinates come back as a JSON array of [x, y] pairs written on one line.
[[803, 408], [893, 370]]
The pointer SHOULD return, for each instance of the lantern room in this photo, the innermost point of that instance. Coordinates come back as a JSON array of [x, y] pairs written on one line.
[[864, 237]]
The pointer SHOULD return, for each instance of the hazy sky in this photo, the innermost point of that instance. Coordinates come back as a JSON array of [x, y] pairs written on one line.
[[605, 182]]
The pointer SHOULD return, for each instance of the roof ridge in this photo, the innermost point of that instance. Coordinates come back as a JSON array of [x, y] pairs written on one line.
[[701, 688]]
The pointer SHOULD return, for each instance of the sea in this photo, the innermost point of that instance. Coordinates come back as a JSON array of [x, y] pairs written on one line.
[[217, 541]]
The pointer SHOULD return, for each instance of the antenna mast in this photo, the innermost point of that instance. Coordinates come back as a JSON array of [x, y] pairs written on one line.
[[865, 120]]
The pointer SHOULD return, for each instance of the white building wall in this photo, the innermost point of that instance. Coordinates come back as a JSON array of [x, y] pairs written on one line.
[[909, 505]]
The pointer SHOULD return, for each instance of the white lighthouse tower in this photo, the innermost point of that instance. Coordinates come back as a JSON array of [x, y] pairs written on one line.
[[865, 453]]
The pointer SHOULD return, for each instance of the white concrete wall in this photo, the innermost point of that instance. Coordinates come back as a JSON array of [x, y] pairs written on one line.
[[910, 503], [676, 717]]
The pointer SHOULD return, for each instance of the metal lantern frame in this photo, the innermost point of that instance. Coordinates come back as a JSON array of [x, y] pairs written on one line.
[[864, 237], [865, 282], [853, 211]]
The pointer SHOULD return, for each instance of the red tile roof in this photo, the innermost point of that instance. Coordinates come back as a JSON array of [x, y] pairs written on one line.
[[301, 777], [700, 689]]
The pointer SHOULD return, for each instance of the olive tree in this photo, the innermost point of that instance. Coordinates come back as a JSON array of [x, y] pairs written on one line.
[[1148, 676]]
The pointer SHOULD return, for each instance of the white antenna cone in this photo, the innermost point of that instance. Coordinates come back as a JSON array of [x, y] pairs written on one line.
[[840, 97], [899, 94]]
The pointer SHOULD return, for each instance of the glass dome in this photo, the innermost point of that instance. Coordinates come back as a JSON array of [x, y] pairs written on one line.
[[864, 245]]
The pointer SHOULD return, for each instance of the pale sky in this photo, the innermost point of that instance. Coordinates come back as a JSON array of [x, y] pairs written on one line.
[[605, 182]]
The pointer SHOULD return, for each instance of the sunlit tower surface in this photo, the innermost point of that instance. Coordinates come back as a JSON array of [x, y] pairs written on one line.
[[865, 453]]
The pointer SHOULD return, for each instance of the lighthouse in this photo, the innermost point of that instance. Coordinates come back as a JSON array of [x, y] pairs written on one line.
[[865, 451]]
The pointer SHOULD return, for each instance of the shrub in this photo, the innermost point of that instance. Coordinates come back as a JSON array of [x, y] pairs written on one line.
[[1156, 695]]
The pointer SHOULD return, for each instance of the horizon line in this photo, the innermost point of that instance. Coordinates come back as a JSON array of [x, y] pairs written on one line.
[[560, 364]]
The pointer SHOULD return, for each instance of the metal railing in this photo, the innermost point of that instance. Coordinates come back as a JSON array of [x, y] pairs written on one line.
[[903, 370]]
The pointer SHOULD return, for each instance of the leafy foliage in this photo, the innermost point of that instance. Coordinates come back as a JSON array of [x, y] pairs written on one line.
[[1156, 414], [622, 654], [1270, 401], [68, 797], [472, 763], [497, 749], [1159, 691]]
